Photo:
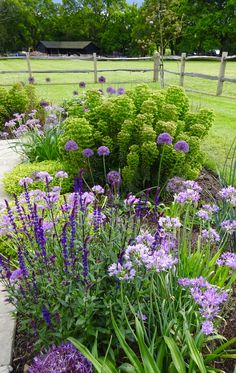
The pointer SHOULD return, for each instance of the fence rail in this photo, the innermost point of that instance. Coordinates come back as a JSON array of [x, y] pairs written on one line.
[[158, 68]]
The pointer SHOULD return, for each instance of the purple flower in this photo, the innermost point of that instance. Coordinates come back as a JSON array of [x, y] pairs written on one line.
[[120, 91], [31, 80], [63, 358], [82, 84], [227, 259], [4, 134], [207, 327], [111, 90], [75, 93], [229, 194], [87, 153], [229, 226], [122, 271], [210, 235], [113, 178], [182, 146], [103, 150], [46, 315], [61, 175], [44, 176], [16, 275], [102, 79], [203, 214], [44, 104], [131, 200], [71, 145], [101, 91], [164, 138], [48, 80], [25, 181], [189, 196], [175, 185], [97, 189]]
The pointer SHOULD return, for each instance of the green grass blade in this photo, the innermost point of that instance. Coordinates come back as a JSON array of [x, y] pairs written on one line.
[[129, 352], [195, 354], [176, 355], [88, 355], [149, 362], [218, 350]]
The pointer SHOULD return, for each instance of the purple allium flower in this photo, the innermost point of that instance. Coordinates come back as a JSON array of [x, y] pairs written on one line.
[[87, 153], [229, 194], [229, 226], [75, 93], [16, 275], [227, 259], [164, 138], [210, 235], [71, 145], [120, 91], [98, 189], [114, 178], [63, 358], [25, 181], [48, 80], [61, 175], [31, 80], [102, 79], [82, 84], [103, 150], [109, 89], [207, 327], [44, 104], [182, 146], [101, 91]]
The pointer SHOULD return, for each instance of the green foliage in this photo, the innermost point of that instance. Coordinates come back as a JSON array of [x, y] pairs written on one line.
[[129, 125], [11, 179], [19, 99], [79, 130]]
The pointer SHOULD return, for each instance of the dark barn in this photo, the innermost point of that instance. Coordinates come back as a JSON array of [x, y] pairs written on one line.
[[67, 47]]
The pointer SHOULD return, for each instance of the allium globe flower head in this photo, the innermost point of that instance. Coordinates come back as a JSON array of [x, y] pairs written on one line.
[[109, 89], [120, 91], [31, 80], [164, 138], [63, 358], [114, 178], [182, 146], [71, 146], [103, 150], [82, 84], [102, 79], [87, 153]]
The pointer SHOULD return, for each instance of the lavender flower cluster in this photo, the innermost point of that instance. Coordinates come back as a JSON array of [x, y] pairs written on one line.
[[208, 297]]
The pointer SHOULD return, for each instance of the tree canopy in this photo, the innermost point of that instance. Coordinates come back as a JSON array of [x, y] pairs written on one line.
[[115, 26]]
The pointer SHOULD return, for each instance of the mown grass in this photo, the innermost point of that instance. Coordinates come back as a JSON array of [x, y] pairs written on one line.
[[221, 134]]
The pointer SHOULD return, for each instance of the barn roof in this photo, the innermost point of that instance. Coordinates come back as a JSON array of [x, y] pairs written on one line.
[[66, 44]]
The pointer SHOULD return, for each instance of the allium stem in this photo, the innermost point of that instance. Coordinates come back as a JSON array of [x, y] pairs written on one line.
[[104, 167], [160, 164]]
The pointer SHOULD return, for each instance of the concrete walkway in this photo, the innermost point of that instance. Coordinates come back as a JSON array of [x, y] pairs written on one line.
[[8, 159]]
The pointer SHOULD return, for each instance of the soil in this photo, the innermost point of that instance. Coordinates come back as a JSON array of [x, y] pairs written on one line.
[[23, 351]]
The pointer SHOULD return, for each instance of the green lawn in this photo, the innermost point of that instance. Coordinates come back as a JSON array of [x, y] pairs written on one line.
[[221, 134]]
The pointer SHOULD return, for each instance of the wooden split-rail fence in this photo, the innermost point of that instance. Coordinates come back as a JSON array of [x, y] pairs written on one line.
[[158, 67]]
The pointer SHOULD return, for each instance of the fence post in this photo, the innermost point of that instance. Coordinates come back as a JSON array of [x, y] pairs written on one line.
[[156, 66], [221, 74], [28, 64], [182, 69], [95, 67]]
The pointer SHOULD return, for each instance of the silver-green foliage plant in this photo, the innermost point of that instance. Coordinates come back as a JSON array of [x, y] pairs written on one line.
[[130, 124]]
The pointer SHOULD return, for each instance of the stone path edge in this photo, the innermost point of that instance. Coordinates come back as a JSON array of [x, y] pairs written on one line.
[[8, 159]]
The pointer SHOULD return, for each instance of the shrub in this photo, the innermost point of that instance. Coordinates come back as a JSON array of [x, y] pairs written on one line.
[[12, 178], [137, 118]]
